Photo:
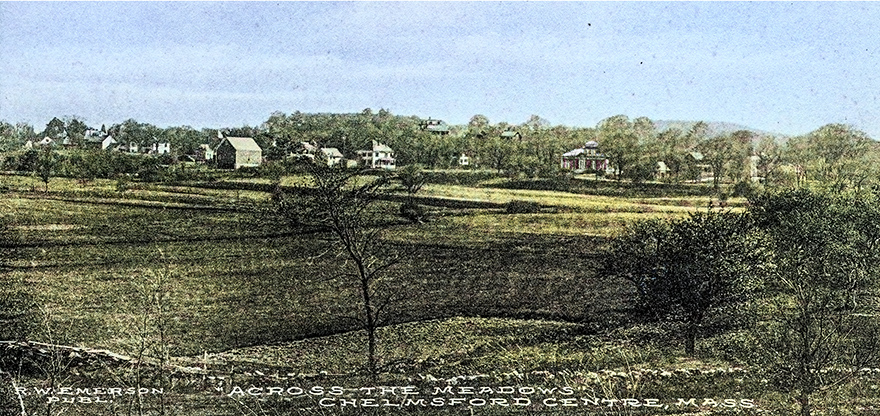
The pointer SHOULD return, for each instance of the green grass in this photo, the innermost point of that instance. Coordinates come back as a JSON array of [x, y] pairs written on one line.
[[511, 298], [579, 202]]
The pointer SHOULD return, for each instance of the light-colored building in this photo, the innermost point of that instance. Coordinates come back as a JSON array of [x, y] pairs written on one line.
[[438, 127], [379, 157], [107, 142], [238, 152], [331, 155], [204, 153], [160, 148]]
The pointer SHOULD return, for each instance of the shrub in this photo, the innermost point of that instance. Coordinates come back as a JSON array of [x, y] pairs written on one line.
[[412, 212], [744, 189], [522, 207], [122, 183]]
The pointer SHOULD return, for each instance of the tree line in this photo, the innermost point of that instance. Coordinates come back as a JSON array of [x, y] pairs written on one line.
[[836, 155]]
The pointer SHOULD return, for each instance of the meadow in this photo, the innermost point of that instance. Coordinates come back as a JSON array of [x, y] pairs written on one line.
[[481, 297]]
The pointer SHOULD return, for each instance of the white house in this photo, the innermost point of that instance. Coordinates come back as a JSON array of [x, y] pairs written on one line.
[[332, 155], [380, 157], [160, 148], [204, 153], [107, 142]]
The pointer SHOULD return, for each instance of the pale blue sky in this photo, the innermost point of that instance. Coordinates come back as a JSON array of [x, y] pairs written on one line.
[[782, 67]]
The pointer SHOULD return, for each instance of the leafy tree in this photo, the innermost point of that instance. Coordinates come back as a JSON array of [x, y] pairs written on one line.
[[184, 140], [412, 178], [13, 136], [839, 155], [835, 156], [76, 130], [618, 142], [341, 201], [719, 152], [25, 161], [821, 290], [55, 129], [497, 153], [672, 149], [769, 160], [130, 131], [46, 165], [688, 270], [478, 127]]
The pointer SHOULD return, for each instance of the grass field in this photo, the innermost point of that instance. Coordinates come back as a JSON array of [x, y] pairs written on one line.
[[494, 298]]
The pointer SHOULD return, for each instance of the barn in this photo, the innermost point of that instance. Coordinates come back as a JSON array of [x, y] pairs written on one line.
[[237, 152]]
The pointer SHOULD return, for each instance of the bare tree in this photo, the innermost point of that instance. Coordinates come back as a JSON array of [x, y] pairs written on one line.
[[341, 201]]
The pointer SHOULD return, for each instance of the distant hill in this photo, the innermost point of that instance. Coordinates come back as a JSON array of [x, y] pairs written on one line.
[[718, 127]]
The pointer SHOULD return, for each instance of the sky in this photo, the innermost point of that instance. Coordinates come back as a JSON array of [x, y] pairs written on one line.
[[787, 68]]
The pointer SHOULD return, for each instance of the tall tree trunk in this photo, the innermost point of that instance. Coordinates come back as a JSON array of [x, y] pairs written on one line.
[[690, 339], [370, 326], [806, 407]]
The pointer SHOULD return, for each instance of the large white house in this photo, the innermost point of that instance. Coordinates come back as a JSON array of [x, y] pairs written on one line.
[[380, 157]]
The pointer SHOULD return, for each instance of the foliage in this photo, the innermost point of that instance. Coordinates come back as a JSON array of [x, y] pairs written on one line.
[[823, 290], [46, 165], [23, 161], [688, 270], [727, 156], [412, 179], [522, 207]]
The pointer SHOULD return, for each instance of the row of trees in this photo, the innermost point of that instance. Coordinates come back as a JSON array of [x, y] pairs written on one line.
[[85, 166], [799, 271], [836, 155]]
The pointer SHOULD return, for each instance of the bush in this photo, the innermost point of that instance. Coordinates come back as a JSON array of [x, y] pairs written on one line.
[[123, 183], [744, 189], [412, 212], [522, 207]]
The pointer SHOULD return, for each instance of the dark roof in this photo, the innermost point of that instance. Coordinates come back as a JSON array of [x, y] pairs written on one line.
[[434, 125]]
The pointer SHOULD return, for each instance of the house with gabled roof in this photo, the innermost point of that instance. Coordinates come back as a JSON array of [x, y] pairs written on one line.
[[238, 152], [108, 141], [331, 155], [511, 135], [379, 157], [438, 127]]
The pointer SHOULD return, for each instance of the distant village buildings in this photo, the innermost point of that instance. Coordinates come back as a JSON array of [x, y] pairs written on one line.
[[238, 152]]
